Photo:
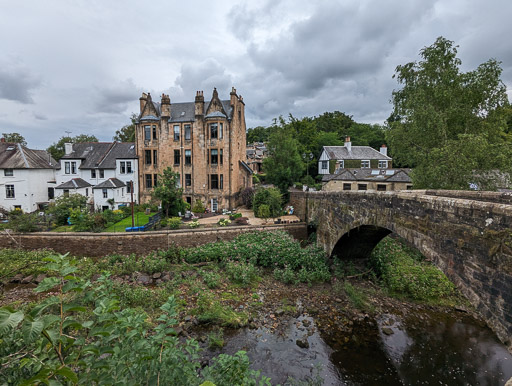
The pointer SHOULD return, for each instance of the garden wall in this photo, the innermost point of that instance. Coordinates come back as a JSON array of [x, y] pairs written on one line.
[[102, 244]]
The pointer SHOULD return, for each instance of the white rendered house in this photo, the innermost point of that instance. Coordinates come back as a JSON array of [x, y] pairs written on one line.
[[100, 171], [27, 177]]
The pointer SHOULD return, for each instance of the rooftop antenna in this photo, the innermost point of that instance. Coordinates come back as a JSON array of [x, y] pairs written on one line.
[[68, 132]]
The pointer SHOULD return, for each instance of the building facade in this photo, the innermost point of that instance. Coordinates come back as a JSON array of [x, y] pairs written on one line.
[[102, 171], [334, 158], [203, 141], [367, 179], [27, 177]]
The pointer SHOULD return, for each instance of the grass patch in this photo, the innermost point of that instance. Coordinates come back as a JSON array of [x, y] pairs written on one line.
[[210, 310], [216, 339], [356, 296], [140, 219]]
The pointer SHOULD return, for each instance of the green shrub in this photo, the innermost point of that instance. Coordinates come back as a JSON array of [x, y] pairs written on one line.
[[23, 222], [198, 207], [276, 250], [263, 211], [194, 224], [404, 272], [60, 210], [241, 272], [211, 279], [255, 179], [223, 222], [234, 216], [174, 222], [210, 310], [60, 341], [271, 197]]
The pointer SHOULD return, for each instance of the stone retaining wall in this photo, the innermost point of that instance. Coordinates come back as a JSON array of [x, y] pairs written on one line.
[[102, 244]]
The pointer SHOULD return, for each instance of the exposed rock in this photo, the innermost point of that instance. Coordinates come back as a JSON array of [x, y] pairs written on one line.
[[166, 277], [157, 275], [280, 312], [338, 300], [187, 318], [17, 278], [306, 323], [387, 330], [27, 279], [143, 279], [40, 278]]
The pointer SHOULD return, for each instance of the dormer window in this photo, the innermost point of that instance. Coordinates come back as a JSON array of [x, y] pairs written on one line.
[[365, 164], [383, 164], [70, 167]]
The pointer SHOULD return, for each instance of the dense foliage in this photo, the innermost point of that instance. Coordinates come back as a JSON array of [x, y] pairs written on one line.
[[270, 199], [169, 193], [61, 208], [14, 138], [445, 123], [127, 132], [404, 271], [275, 250], [60, 341]]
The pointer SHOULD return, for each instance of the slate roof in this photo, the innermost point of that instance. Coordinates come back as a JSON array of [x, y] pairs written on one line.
[[376, 175], [21, 157], [101, 155], [185, 111], [111, 183], [75, 183], [356, 152]]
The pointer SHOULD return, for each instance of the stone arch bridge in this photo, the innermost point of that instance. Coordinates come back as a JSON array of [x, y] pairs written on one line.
[[468, 235]]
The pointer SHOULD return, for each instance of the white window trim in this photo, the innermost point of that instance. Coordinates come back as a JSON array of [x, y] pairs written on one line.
[[385, 164], [342, 163], [365, 167]]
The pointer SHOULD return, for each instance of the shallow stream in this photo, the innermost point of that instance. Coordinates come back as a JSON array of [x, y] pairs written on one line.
[[424, 348]]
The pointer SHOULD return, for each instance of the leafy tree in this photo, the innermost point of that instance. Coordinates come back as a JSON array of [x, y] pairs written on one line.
[[57, 150], [61, 208], [284, 164], [169, 193], [127, 132], [258, 134], [271, 198], [14, 138], [446, 123]]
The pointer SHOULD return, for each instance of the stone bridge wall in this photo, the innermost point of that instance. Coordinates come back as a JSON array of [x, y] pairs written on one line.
[[102, 244], [469, 240]]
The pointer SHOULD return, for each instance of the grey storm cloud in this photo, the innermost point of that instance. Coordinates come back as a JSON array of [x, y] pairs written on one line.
[[17, 83], [115, 97]]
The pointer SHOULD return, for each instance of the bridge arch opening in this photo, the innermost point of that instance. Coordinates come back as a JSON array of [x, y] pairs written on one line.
[[358, 243]]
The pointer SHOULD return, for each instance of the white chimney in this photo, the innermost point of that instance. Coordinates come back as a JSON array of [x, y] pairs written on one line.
[[348, 144], [68, 148], [383, 150]]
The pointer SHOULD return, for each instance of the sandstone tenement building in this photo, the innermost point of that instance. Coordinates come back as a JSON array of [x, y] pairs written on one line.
[[203, 141]]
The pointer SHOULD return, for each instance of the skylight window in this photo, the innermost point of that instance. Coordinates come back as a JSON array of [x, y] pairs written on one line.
[[375, 172], [390, 172], [132, 147], [10, 147], [182, 113]]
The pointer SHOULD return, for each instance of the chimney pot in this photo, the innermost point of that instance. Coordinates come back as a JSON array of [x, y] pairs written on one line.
[[348, 144]]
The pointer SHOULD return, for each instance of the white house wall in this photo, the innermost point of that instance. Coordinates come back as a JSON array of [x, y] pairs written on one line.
[[323, 157], [30, 188], [118, 194]]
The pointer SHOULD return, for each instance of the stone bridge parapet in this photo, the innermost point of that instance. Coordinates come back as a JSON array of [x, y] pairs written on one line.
[[468, 235]]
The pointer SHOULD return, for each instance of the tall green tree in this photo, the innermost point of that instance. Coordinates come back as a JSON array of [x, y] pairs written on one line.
[[448, 124], [169, 193], [57, 149], [258, 134], [284, 164], [127, 132], [14, 138]]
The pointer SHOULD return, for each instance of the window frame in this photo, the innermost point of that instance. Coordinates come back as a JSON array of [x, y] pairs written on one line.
[[362, 187], [176, 134], [149, 181], [325, 165], [214, 181], [93, 173], [8, 172], [188, 179], [129, 169], [188, 132], [380, 186], [122, 167], [147, 157], [214, 157], [10, 193], [347, 186], [188, 158], [153, 129], [104, 191], [102, 173], [214, 128], [155, 157], [383, 162], [365, 162], [147, 132], [177, 156]]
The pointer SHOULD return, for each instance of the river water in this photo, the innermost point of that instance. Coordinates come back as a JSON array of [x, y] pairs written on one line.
[[424, 348]]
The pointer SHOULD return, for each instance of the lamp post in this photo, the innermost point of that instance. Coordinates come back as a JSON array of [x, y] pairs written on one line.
[[304, 157]]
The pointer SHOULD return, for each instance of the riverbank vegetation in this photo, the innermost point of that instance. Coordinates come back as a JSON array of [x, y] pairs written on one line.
[[88, 314]]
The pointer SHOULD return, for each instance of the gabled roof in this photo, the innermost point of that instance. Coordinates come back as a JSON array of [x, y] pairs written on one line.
[[17, 156], [101, 155], [356, 152], [111, 183], [75, 183]]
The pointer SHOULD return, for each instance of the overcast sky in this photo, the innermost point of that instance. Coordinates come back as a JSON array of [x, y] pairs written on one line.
[[80, 66]]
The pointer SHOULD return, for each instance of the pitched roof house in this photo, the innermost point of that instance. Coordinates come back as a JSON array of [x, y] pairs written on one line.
[[27, 177], [101, 171]]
